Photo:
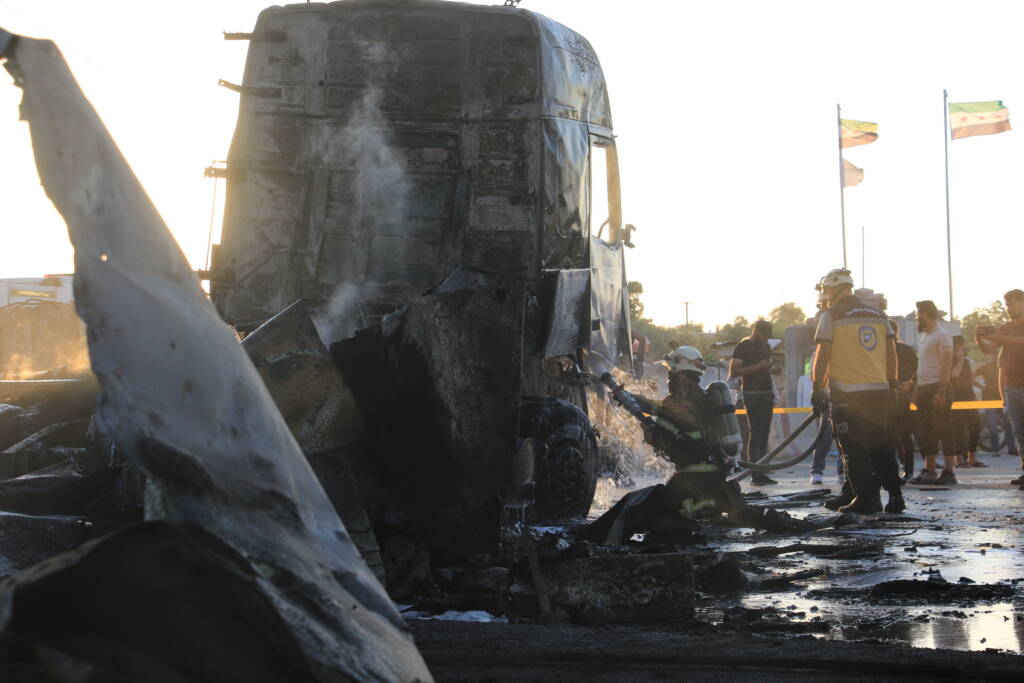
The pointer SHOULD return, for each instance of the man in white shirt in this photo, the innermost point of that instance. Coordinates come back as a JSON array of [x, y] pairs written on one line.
[[934, 362]]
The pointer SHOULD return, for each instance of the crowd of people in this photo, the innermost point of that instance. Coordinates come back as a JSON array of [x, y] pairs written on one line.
[[881, 401]]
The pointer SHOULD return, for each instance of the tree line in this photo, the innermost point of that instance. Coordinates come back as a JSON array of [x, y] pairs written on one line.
[[694, 334], [781, 317]]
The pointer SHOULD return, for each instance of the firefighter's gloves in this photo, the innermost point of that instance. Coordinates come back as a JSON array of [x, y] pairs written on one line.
[[819, 400]]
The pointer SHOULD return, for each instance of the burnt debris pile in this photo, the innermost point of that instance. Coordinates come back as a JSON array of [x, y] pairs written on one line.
[[54, 460]]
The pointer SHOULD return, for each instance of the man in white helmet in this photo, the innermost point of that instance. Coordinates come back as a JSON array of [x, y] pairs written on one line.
[[699, 482], [683, 407], [856, 359], [679, 428]]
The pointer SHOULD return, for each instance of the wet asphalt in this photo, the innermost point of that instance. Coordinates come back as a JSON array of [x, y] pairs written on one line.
[[970, 533]]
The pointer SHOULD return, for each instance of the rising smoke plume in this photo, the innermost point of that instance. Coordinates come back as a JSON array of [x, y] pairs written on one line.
[[363, 154]]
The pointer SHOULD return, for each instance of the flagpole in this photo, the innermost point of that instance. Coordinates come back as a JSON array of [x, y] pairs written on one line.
[[863, 258], [842, 199], [949, 242]]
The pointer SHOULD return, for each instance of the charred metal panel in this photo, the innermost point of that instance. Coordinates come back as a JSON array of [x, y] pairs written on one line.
[[566, 160], [502, 217], [568, 319], [276, 140], [320, 410], [574, 86], [186, 405], [442, 448], [509, 68], [610, 303], [445, 89], [259, 264], [307, 388], [414, 62], [151, 601]]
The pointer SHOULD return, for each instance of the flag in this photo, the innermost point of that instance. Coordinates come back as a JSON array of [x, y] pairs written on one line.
[[977, 118], [853, 133], [851, 174]]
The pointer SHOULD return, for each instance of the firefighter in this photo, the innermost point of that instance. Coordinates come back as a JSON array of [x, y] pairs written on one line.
[[682, 437], [856, 360], [697, 431]]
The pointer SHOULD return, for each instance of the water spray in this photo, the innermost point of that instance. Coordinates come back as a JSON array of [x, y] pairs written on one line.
[[634, 405]]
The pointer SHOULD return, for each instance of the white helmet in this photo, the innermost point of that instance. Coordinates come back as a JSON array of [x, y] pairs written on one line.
[[835, 278], [685, 359]]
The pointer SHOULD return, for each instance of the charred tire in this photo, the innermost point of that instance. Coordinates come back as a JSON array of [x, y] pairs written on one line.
[[566, 466]]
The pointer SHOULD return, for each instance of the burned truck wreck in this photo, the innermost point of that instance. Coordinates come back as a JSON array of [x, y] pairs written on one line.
[[186, 507], [435, 186]]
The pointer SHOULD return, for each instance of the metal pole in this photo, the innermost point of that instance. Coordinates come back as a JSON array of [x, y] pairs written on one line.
[[687, 304], [842, 199], [949, 242], [863, 267], [209, 235]]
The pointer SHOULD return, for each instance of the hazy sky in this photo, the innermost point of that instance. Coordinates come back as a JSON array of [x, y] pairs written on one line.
[[725, 116]]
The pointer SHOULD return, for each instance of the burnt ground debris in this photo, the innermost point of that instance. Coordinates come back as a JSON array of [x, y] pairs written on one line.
[[526, 652], [879, 579], [862, 592]]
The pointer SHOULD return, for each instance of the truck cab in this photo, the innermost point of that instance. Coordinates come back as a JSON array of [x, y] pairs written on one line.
[[445, 173]]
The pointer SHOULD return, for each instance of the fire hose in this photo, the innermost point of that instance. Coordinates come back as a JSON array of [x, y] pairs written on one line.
[[637, 407], [762, 464]]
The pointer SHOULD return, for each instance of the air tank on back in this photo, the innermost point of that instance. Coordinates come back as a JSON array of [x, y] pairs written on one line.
[[723, 427]]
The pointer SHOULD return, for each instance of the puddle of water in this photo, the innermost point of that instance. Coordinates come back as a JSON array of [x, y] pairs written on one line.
[[997, 625], [952, 532]]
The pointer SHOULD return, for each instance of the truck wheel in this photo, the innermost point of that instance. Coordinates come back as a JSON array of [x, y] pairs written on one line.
[[566, 468]]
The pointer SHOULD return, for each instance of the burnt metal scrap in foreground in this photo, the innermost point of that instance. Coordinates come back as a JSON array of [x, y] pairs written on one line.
[[244, 517]]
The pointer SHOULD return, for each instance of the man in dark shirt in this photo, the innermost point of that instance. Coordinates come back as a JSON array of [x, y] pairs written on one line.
[[751, 361], [1010, 338]]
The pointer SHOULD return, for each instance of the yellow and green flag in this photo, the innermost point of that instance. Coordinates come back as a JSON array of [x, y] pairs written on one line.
[[853, 133], [977, 118], [851, 174]]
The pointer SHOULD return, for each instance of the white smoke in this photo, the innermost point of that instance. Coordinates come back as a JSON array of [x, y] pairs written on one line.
[[351, 308], [627, 456], [378, 188]]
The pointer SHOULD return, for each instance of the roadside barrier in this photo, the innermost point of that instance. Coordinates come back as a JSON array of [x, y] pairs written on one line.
[[787, 419], [957, 405]]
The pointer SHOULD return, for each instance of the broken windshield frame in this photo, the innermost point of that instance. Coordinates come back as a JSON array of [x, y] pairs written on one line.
[[604, 204]]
